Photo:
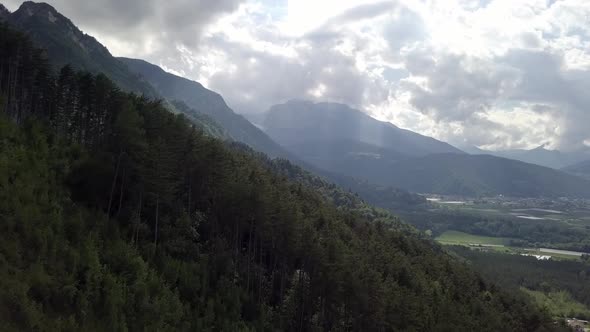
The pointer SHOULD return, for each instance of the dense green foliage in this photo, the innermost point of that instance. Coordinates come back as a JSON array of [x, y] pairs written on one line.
[[559, 304], [119, 215], [523, 232], [549, 277], [361, 196]]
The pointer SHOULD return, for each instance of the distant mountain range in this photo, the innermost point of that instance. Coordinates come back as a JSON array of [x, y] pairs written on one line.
[[484, 175], [580, 169], [339, 139], [540, 156]]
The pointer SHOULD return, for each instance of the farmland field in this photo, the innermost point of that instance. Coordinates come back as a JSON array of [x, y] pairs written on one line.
[[460, 238]]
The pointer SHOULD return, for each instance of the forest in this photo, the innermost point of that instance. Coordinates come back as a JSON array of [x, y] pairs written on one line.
[[515, 271], [119, 215]]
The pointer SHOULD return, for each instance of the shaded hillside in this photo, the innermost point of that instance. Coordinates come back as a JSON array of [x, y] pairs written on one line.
[[474, 175], [205, 101], [66, 44]]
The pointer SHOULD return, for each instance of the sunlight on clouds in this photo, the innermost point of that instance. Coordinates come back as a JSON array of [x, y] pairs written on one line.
[[306, 15], [318, 91]]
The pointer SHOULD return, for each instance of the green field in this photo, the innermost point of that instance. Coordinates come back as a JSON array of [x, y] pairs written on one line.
[[497, 244], [460, 238]]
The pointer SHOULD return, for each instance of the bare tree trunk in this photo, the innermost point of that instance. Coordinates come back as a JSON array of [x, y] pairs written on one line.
[[135, 231], [157, 216], [237, 248], [249, 253], [114, 183], [121, 192], [190, 187], [261, 272]]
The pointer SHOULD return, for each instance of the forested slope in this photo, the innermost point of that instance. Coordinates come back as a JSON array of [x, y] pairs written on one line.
[[119, 215]]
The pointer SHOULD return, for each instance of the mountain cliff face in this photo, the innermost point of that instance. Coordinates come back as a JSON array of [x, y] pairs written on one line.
[[66, 44], [205, 101]]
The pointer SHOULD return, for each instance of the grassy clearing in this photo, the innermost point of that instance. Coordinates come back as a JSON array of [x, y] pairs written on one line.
[[460, 238], [559, 304]]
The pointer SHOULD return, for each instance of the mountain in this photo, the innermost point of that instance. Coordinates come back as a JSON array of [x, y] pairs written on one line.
[[205, 101], [539, 156], [66, 44], [119, 216], [581, 169], [303, 122], [476, 175], [341, 140]]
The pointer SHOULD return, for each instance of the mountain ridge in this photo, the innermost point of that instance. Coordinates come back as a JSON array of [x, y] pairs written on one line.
[[66, 44], [542, 156], [205, 101]]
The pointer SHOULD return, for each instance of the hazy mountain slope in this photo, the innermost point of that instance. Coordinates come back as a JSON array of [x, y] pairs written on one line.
[[207, 102], [351, 158], [580, 169], [209, 126], [66, 44], [484, 175], [541, 156], [299, 122]]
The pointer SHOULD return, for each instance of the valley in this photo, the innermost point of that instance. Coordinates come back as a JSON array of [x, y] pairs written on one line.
[[519, 225]]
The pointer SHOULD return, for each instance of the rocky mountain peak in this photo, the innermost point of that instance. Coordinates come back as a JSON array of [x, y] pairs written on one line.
[[40, 10]]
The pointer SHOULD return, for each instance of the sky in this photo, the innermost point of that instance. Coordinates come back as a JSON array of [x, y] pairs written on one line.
[[497, 74]]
